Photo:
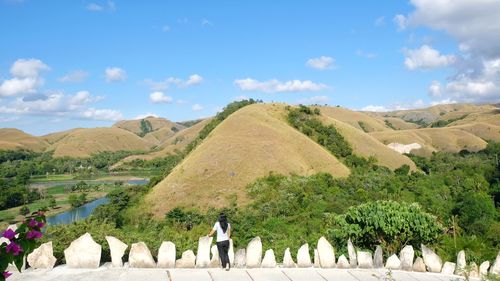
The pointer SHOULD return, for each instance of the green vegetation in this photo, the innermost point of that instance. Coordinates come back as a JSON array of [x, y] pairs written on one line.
[[363, 126], [145, 128], [305, 120], [372, 206], [389, 124], [420, 122], [190, 123], [77, 200], [444, 123]]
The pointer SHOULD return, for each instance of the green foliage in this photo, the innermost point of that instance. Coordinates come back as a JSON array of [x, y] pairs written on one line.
[[303, 119], [24, 210], [444, 123], [77, 200], [389, 124], [476, 212], [387, 223], [190, 123], [363, 126], [403, 170], [145, 127]]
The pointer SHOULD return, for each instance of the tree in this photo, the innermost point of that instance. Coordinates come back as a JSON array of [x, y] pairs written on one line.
[[387, 223], [476, 212], [52, 202], [24, 210]]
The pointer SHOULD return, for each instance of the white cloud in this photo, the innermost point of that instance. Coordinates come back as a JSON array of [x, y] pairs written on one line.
[[192, 80], [206, 23], [159, 97], [8, 119], [240, 98], [102, 114], [396, 106], [435, 89], [380, 21], [166, 28], [426, 57], [315, 100], [445, 101], [401, 21], [27, 68], [114, 74], [475, 27], [181, 101], [273, 85], [142, 116], [82, 98], [364, 54], [26, 78], [94, 7], [74, 76], [321, 63], [197, 107]]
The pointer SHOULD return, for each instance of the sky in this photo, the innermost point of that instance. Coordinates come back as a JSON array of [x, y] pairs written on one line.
[[67, 64]]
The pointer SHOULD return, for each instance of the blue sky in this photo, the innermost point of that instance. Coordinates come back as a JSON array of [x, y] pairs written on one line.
[[66, 64]]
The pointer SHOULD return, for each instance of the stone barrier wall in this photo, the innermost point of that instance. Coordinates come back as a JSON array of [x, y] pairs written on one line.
[[84, 252]]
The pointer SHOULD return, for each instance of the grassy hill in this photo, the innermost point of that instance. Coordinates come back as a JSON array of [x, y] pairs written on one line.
[[11, 139], [153, 129], [249, 144], [84, 142], [448, 139], [356, 119]]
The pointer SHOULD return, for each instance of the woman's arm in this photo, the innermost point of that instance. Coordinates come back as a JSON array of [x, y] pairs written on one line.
[[229, 232], [211, 233]]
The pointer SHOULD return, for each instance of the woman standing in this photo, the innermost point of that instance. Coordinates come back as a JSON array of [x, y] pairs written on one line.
[[223, 229]]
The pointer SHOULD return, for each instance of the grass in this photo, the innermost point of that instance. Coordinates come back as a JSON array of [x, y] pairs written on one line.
[[250, 143], [63, 177]]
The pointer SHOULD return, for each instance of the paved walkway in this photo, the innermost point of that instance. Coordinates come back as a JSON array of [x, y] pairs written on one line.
[[61, 273]]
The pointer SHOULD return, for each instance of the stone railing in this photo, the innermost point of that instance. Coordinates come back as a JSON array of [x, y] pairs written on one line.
[[84, 252]]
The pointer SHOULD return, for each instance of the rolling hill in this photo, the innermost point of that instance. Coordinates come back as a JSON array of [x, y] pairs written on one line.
[[160, 129], [249, 144], [84, 142], [11, 139]]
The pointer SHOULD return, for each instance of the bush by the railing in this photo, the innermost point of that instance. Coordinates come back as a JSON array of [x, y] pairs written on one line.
[[20, 243]]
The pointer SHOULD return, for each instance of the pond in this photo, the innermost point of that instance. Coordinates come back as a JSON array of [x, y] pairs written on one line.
[[76, 214]]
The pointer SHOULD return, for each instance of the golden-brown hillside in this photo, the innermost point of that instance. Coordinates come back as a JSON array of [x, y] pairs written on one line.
[[11, 139], [84, 142], [249, 144]]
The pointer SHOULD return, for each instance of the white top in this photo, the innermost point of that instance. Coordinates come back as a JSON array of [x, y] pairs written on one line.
[[221, 236]]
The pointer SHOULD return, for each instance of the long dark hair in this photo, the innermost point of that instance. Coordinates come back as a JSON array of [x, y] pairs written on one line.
[[223, 222]]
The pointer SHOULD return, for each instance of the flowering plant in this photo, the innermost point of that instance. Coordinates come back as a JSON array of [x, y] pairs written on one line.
[[21, 242]]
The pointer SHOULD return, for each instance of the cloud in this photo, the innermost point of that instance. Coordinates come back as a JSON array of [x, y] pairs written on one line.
[[276, 86], [401, 22], [364, 54], [159, 97], [54, 103], [445, 101], [114, 74], [475, 27], [395, 106], [435, 89], [315, 100], [192, 80], [206, 23], [321, 63], [380, 21], [102, 114], [197, 107], [74, 77], [426, 57], [8, 119], [166, 28], [240, 98], [94, 7], [26, 78], [142, 116]]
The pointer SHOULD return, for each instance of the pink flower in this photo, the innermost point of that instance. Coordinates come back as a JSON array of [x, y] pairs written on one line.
[[6, 274], [14, 248], [32, 223], [9, 234], [33, 234], [40, 224]]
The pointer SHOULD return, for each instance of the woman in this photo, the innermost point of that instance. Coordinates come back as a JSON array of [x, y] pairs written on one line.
[[223, 229]]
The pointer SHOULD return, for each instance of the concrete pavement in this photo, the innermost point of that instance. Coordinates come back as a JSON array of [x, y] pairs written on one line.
[[62, 273]]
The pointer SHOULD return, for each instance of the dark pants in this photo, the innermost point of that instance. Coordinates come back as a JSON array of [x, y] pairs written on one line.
[[223, 248]]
